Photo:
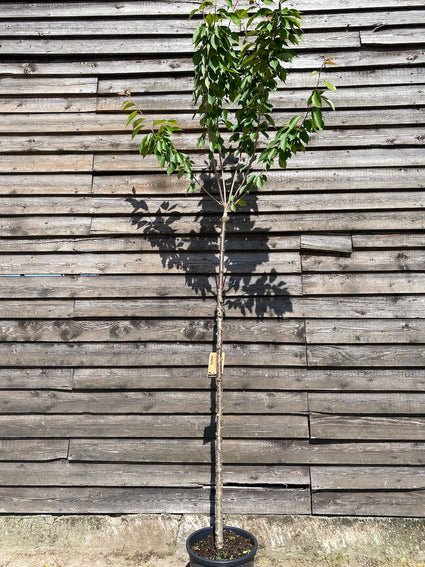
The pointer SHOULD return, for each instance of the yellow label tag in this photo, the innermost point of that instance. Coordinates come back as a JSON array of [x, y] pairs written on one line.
[[212, 364]]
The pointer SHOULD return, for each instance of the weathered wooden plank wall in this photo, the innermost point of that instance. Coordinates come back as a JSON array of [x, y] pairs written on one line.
[[106, 280]]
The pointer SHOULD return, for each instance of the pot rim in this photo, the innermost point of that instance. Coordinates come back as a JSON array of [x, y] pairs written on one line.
[[217, 563]]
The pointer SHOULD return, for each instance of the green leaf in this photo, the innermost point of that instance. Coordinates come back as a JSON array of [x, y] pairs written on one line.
[[317, 118], [330, 86], [328, 102], [242, 203], [131, 117], [316, 98], [294, 122]]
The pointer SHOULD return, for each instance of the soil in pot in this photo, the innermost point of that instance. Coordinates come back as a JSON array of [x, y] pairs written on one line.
[[235, 546]]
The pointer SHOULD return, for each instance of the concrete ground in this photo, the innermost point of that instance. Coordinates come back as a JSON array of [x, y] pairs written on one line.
[[159, 541]]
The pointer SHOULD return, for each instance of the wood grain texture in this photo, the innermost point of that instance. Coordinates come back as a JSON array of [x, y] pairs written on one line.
[[373, 356], [134, 500], [64, 473], [164, 7], [333, 428], [145, 402], [259, 451], [409, 504], [104, 395], [164, 426], [256, 378], [368, 478]]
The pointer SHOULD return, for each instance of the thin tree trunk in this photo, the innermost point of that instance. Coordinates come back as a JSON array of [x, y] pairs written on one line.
[[218, 512]]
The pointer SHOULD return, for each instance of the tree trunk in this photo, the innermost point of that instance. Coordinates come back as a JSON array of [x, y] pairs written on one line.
[[218, 512]]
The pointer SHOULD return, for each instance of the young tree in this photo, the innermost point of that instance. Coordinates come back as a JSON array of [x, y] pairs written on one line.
[[240, 58]]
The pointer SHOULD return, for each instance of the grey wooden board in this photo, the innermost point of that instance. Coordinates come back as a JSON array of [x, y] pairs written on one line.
[[145, 354], [47, 85], [260, 378], [63, 473], [68, 163], [33, 449], [160, 184], [149, 46], [120, 142], [145, 402], [330, 159], [73, 184], [141, 244], [345, 97], [138, 263], [236, 307], [343, 284], [44, 122], [58, 104], [144, 426], [303, 222], [393, 37], [350, 59], [396, 240], [367, 478], [386, 503], [302, 180], [296, 79], [134, 500], [43, 308], [361, 356], [258, 451], [247, 330], [321, 307], [358, 261], [370, 403], [355, 331], [367, 428], [129, 27], [327, 243], [93, 9], [36, 378], [119, 287], [141, 209]]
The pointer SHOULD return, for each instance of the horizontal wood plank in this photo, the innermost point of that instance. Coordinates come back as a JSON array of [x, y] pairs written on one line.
[[385, 403], [21, 355], [144, 426], [386, 503], [369, 428], [350, 59], [259, 451], [46, 288], [63, 473], [36, 379], [260, 378], [33, 449], [361, 356], [355, 331], [363, 283], [248, 330], [367, 478], [164, 7], [141, 209], [124, 27], [367, 261], [135, 500], [139, 263], [46, 122]]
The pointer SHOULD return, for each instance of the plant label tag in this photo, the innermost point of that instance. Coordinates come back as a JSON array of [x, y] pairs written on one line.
[[212, 364]]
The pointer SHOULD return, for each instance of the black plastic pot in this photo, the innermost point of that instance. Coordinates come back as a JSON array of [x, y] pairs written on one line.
[[198, 561]]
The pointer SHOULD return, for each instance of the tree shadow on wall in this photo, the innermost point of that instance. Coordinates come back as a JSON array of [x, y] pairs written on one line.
[[185, 233], [187, 243]]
